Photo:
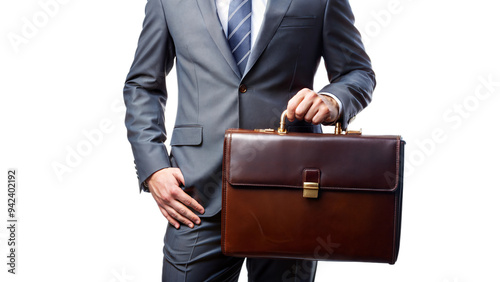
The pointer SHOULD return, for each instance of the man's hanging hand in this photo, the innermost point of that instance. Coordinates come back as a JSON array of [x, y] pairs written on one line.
[[173, 202]]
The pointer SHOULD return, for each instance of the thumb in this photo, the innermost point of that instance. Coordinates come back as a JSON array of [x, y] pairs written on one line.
[[176, 172]]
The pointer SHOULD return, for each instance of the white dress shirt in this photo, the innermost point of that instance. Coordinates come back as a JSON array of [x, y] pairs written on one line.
[[258, 11]]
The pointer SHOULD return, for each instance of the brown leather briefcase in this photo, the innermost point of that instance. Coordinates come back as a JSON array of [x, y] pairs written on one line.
[[312, 196]]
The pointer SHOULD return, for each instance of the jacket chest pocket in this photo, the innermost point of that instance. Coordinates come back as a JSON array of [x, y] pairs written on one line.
[[298, 22]]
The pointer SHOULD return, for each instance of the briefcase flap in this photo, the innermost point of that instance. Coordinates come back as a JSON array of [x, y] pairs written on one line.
[[340, 162]]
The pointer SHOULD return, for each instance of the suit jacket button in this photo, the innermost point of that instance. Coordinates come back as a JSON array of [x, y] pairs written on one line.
[[243, 88]]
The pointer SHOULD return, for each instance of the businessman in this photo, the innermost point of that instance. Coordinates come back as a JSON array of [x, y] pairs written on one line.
[[239, 64]]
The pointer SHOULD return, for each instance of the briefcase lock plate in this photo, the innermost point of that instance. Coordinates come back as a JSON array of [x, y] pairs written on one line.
[[310, 190]]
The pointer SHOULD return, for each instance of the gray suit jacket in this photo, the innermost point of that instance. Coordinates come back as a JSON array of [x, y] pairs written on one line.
[[214, 96]]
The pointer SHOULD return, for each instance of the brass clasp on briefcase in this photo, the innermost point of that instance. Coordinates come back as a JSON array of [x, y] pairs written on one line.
[[310, 190]]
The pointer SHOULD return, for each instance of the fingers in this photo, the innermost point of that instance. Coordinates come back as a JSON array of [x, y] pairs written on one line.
[[170, 219], [178, 213], [182, 196], [188, 201], [178, 175], [316, 112], [291, 110], [173, 202], [175, 210], [312, 107]]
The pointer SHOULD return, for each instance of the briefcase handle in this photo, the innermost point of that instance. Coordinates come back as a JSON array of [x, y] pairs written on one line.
[[338, 127]]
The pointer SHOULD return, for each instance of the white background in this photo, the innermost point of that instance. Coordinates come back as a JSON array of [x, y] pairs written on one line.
[[61, 81]]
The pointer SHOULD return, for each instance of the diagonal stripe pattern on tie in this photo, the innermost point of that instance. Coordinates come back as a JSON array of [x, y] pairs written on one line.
[[239, 30]]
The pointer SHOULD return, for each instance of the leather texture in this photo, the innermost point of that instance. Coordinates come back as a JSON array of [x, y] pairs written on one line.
[[356, 217], [294, 36]]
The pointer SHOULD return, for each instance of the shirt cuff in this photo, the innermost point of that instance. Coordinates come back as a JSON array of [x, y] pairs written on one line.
[[338, 102]]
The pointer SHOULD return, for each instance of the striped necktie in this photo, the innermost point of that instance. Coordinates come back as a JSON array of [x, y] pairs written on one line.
[[238, 31]]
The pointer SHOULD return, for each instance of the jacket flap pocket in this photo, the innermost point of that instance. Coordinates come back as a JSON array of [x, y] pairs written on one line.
[[187, 135]]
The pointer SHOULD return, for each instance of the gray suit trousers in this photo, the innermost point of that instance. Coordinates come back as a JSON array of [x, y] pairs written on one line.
[[195, 255]]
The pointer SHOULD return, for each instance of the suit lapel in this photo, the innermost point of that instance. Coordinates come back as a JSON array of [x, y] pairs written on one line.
[[209, 13], [276, 10]]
